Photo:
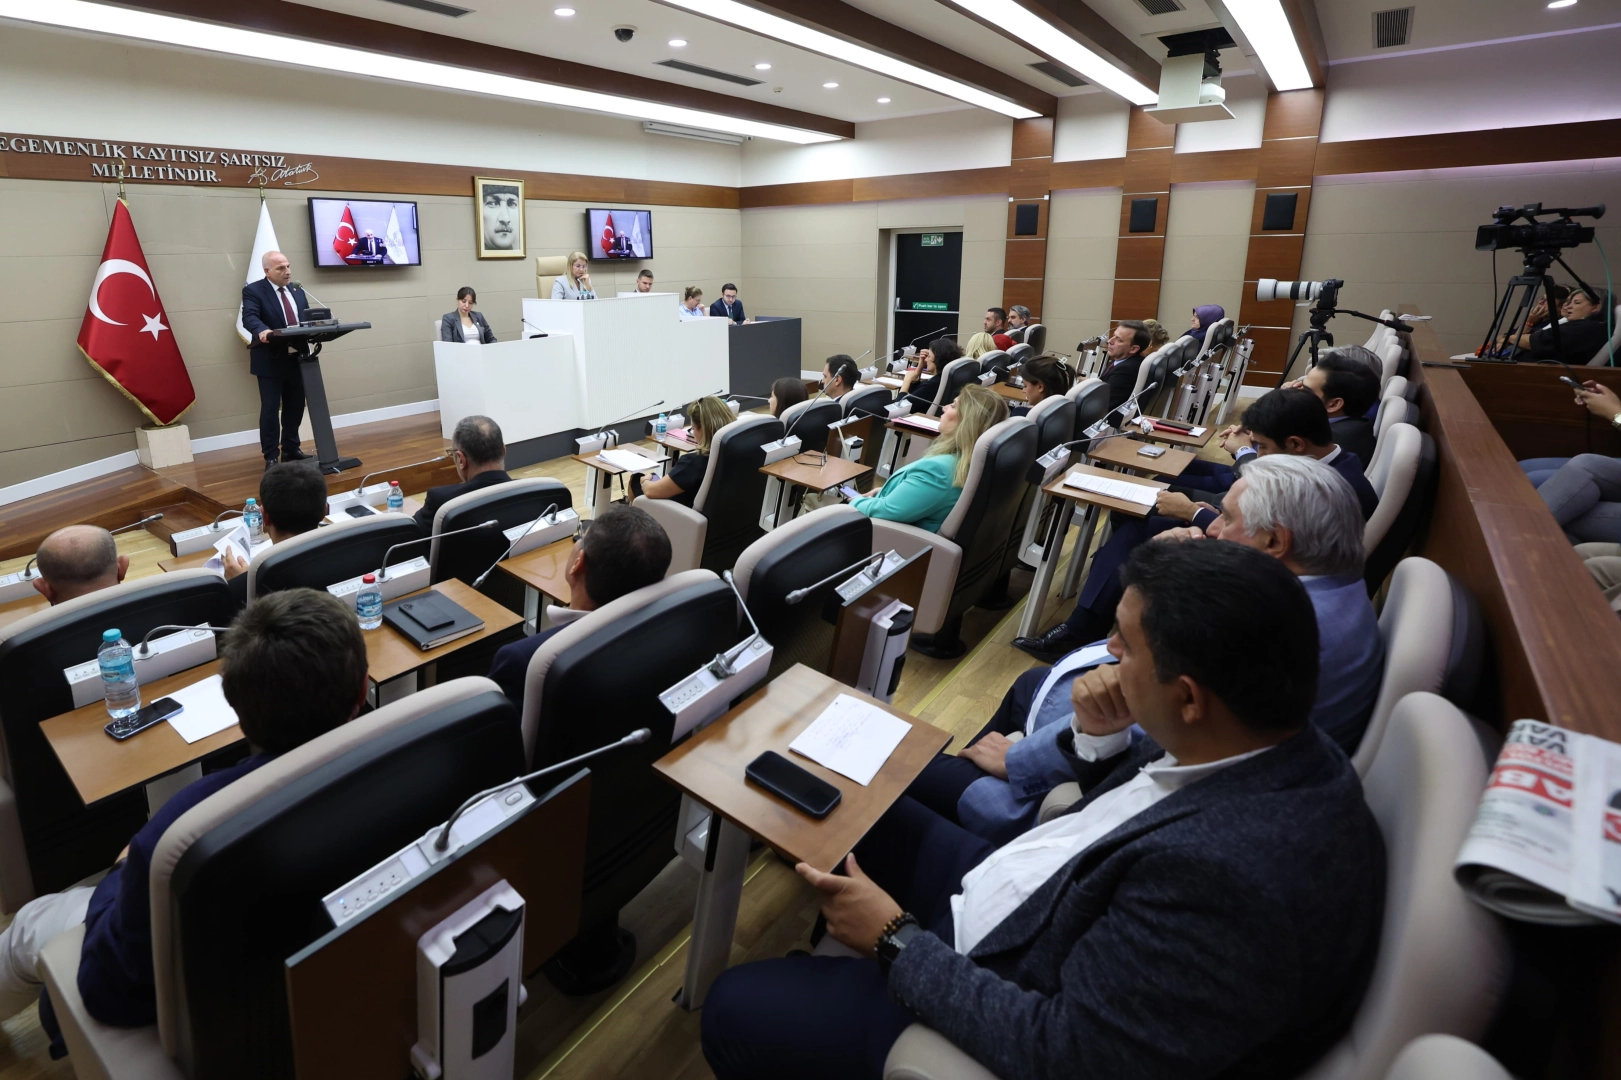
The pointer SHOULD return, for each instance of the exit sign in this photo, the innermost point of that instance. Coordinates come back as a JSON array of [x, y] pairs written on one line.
[[934, 239], [928, 305]]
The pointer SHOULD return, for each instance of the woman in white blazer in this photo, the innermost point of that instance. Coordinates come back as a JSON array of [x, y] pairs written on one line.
[[576, 284]]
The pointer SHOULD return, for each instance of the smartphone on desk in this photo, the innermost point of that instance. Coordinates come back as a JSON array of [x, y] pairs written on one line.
[[155, 713], [799, 788], [1152, 451], [359, 510]]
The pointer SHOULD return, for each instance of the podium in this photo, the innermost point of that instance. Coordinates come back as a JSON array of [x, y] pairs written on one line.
[[308, 339]]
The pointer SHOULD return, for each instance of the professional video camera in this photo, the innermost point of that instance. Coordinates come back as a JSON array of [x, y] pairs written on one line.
[[1325, 295], [1542, 243]]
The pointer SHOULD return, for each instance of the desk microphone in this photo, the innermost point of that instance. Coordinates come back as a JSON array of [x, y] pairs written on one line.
[[797, 595], [442, 842], [490, 524], [1132, 400], [552, 509], [640, 410], [136, 524], [742, 397], [144, 649], [300, 286], [722, 664], [215, 526], [397, 468], [820, 394]]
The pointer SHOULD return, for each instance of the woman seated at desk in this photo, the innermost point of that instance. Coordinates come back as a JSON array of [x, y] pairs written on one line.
[[705, 418], [464, 324], [978, 345], [787, 392], [576, 284], [1044, 376], [924, 380], [924, 492], [692, 304]]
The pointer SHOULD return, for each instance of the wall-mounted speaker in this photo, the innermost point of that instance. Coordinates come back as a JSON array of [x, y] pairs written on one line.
[[1027, 219], [1144, 215], [1279, 215]]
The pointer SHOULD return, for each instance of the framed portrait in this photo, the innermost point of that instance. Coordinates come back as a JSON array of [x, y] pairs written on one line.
[[498, 204]]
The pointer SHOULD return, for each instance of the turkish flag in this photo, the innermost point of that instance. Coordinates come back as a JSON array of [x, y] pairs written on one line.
[[345, 238], [125, 333], [608, 234]]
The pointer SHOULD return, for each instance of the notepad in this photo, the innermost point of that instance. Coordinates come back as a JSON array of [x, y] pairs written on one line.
[[203, 710], [927, 423], [629, 460], [889, 381], [852, 738], [1123, 490]]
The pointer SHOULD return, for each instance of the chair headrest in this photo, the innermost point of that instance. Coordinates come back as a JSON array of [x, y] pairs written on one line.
[[71, 610], [1047, 405], [748, 426], [495, 495], [800, 530], [991, 440], [550, 266], [385, 530], [866, 399]]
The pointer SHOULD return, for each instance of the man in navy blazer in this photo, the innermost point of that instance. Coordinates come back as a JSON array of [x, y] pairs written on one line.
[[728, 306], [1211, 907], [272, 303]]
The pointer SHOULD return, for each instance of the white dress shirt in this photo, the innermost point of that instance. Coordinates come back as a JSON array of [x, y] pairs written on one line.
[[1008, 876], [472, 334], [688, 313]]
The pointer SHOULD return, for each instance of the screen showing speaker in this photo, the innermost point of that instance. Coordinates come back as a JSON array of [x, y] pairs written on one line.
[[359, 232], [619, 234]]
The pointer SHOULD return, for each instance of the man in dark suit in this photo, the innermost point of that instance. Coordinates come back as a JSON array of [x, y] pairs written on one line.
[[292, 497], [480, 455], [728, 306], [1123, 354], [1211, 906], [269, 304], [1348, 388], [624, 550], [370, 245]]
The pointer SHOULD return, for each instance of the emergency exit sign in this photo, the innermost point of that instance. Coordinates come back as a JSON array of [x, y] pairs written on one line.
[[934, 239], [928, 305]]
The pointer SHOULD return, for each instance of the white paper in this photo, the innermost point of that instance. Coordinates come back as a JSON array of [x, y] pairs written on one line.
[[629, 460], [1124, 490], [1196, 432], [889, 381], [1595, 872], [204, 710], [928, 423], [852, 738], [235, 541]]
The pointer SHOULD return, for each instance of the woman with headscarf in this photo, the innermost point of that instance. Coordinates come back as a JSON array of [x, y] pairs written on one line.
[[1204, 317]]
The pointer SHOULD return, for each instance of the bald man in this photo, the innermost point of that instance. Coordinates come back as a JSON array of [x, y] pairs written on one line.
[[269, 304], [77, 560]]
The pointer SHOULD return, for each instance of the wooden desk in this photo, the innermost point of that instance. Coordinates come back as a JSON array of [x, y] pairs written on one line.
[[1068, 498], [1014, 394], [830, 474], [21, 609], [1197, 442], [409, 510], [389, 654], [100, 766], [709, 768], [675, 446], [194, 561], [542, 573], [595, 461], [602, 479], [1127, 453]]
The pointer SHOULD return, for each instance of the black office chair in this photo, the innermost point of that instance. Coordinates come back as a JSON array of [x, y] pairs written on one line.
[[796, 556], [323, 557], [466, 556], [996, 360], [1035, 336], [43, 816], [725, 514], [1091, 398], [1020, 353], [237, 881], [808, 421], [869, 401], [597, 679], [958, 374], [1054, 419]]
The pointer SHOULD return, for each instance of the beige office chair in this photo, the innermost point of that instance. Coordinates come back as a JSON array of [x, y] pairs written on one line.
[[1393, 409], [548, 268], [1612, 348], [1381, 333], [724, 516], [1392, 355], [1403, 476], [1445, 1057]]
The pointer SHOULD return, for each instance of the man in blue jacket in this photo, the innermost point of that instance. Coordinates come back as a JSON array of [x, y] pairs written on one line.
[[293, 667], [1211, 907]]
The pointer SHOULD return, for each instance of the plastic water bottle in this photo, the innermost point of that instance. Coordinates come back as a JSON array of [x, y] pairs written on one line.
[[369, 604], [661, 426], [118, 683], [396, 497], [254, 519]]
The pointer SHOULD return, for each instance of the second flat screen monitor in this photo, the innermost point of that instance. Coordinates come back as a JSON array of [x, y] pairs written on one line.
[[619, 234]]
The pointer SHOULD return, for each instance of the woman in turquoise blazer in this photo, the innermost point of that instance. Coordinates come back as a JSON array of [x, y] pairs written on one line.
[[924, 492]]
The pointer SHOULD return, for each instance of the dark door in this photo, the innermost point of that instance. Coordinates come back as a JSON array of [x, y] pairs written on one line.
[[928, 286]]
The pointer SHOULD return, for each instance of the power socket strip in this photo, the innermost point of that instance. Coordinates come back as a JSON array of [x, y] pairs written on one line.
[[899, 408], [201, 538], [560, 526], [405, 577], [703, 695], [1053, 462], [18, 586], [782, 448], [171, 653]]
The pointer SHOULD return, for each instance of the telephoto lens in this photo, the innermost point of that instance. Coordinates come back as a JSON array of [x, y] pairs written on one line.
[[1268, 289]]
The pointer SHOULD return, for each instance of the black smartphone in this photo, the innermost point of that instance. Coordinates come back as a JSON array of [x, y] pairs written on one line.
[[359, 510], [155, 713], [1572, 383], [849, 492], [794, 785]]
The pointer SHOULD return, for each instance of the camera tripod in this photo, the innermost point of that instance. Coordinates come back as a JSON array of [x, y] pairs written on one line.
[[1525, 285], [1317, 334]]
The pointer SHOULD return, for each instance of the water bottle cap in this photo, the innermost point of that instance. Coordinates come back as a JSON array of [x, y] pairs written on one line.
[[370, 579], [393, 483], [111, 635], [252, 501]]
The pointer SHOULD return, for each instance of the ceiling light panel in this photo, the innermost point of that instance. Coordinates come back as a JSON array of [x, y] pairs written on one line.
[[1029, 27], [774, 26], [1273, 39], [297, 52]]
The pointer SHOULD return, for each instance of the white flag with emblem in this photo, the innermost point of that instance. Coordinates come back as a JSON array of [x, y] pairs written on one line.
[[263, 240], [396, 239]]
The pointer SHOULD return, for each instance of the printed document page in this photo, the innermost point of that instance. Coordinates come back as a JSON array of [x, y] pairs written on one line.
[[852, 738]]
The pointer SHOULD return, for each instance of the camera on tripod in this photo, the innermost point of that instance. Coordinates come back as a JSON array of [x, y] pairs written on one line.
[[1326, 293], [1541, 243], [1503, 234]]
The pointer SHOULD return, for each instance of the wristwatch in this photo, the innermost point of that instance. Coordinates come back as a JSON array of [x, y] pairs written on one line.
[[1615, 420], [896, 936]]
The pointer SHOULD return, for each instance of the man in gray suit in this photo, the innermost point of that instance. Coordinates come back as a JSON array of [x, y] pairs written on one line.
[[1211, 907]]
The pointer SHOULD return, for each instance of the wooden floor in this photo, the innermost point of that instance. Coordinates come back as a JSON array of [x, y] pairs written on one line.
[[634, 1029]]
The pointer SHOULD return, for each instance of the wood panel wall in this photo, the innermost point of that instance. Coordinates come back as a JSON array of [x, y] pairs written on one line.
[[1024, 270], [1139, 257]]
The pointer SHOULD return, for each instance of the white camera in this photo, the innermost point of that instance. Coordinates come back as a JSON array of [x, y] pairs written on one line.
[[1268, 289]]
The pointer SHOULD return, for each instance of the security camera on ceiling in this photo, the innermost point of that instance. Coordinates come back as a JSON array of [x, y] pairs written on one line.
[[1190, 79], [624, 33]]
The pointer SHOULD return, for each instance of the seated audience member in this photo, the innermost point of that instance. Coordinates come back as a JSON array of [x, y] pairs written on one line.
[[840, 375], [978, 345], [77, 560], [1018, 321], [1211, 907], [1204, 317], [1584, 492], [1596, 398], [292, 497], [465, 324], [575, 283], [1292, 508], [1349, 391], [644, 281], [1603, 561], [728, 306], [623, 550], [1584, 329], [705, 418], [996, 326], [1282, 422], [293, 667], [787, 392], [1157, 335], [1122, 356], [1044, 376], [924, 492], [480, 454], [692, 304], [923, 381], [1537, 318]]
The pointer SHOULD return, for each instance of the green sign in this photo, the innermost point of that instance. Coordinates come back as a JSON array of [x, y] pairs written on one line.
[[934, 239], [928, 305]]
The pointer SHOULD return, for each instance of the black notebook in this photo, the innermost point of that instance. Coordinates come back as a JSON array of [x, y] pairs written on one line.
[[431, 619]]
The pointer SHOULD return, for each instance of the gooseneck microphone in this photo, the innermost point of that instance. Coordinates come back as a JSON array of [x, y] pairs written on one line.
[[398, 468], [145, 649], [640, 410], [552, 509], [490, 524], [797, 595], [136, 524]]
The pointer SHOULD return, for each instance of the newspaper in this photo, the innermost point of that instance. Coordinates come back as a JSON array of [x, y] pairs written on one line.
[[1545, 845]]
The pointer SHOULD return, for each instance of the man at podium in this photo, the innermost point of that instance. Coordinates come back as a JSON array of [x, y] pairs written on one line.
[[269, 304]]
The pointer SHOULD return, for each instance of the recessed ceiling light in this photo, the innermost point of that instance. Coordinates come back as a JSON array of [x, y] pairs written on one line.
[[1562, 3], [1268, 29], [1025, 25], [565, 12], [830, 86], [883, 101], [762, 67], [181, 33], [678, 43]]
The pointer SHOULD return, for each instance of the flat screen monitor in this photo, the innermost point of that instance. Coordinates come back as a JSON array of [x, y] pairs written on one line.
[[619, 234], [359, 232]]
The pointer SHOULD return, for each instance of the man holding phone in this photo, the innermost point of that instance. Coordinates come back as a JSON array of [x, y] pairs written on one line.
[[292, 496]]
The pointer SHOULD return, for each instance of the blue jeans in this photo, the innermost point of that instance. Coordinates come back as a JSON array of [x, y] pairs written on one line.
[[1584, 495], [1540, 468]]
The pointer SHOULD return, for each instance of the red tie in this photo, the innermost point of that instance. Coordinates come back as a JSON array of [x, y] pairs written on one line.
[[286, 306]]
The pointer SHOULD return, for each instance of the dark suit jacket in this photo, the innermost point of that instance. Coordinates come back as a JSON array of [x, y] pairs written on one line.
[[1122, 379], [262, 311], [450, 328], [718, 310], [439, 496], [1354, 433], [371, 245], [1228, 931], [510, 667]]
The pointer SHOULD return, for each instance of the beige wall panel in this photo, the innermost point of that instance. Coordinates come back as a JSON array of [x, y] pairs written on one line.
[[1082, 241], [42, 351], [1076, 310], [1088, 258], [808, 260], [816, 263], [839, 223], [1076, 214], [17, 466], [51, 414], [921, 213], [48, 286], [1206, 241], [45, 221]]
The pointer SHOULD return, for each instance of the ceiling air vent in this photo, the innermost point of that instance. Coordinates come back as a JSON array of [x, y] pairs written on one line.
[[434, 6], [1160, 7], [1392, 28], [1063, 75], [723, 76]]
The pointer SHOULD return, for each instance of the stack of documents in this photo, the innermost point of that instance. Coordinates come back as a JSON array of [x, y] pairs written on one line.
[[852, 738], [629, 460], [1124, 490]]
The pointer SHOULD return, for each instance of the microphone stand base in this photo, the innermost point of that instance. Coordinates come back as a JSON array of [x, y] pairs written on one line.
[[338, 465]]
